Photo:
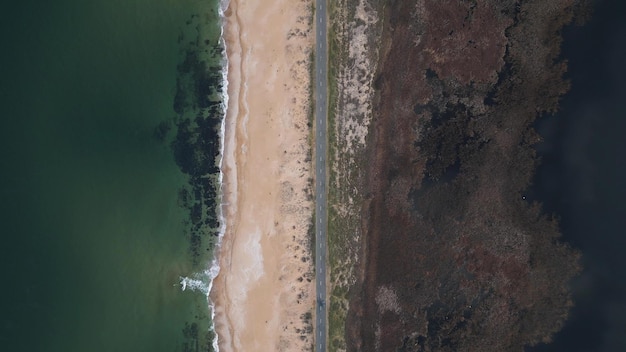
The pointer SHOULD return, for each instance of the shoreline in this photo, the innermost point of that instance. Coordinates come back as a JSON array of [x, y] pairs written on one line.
[[261, 295]]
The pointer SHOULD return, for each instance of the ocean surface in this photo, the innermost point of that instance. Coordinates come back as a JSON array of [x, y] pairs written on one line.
[[109, 153], [582, 179]]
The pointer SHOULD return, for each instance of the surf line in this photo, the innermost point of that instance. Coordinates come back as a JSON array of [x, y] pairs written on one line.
[[204, 282]]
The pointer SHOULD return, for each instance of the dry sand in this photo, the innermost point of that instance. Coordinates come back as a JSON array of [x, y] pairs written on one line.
[[265, 286]]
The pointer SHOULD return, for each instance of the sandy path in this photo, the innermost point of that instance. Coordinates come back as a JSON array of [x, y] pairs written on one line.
[[264, 290]]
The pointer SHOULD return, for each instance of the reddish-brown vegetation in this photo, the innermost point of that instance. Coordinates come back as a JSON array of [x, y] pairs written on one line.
[[473, 265]]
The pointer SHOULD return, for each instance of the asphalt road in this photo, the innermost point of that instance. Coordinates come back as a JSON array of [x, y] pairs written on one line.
[[321, 141]]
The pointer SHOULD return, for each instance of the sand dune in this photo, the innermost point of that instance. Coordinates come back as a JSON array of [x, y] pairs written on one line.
[[264, 289]]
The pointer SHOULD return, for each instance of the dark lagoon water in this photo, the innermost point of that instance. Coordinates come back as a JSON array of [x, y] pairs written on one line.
[[108, 153], [583, 176]]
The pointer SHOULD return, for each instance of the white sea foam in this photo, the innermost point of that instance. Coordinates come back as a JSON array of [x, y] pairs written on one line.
[[195, 283], [214, 268]]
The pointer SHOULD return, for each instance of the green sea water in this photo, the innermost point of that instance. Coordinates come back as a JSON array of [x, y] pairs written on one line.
[[108, 150]]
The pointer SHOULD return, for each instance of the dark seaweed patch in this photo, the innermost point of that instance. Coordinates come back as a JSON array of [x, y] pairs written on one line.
[[195, 145]]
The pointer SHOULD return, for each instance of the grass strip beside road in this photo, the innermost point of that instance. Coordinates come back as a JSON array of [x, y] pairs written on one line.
[[336, 228]]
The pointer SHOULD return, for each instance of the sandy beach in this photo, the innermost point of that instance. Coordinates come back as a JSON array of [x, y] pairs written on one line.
[[264, 293]]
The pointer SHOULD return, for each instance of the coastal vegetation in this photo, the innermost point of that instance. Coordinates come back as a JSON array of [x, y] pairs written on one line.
[[455, 256], [353, 39]]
